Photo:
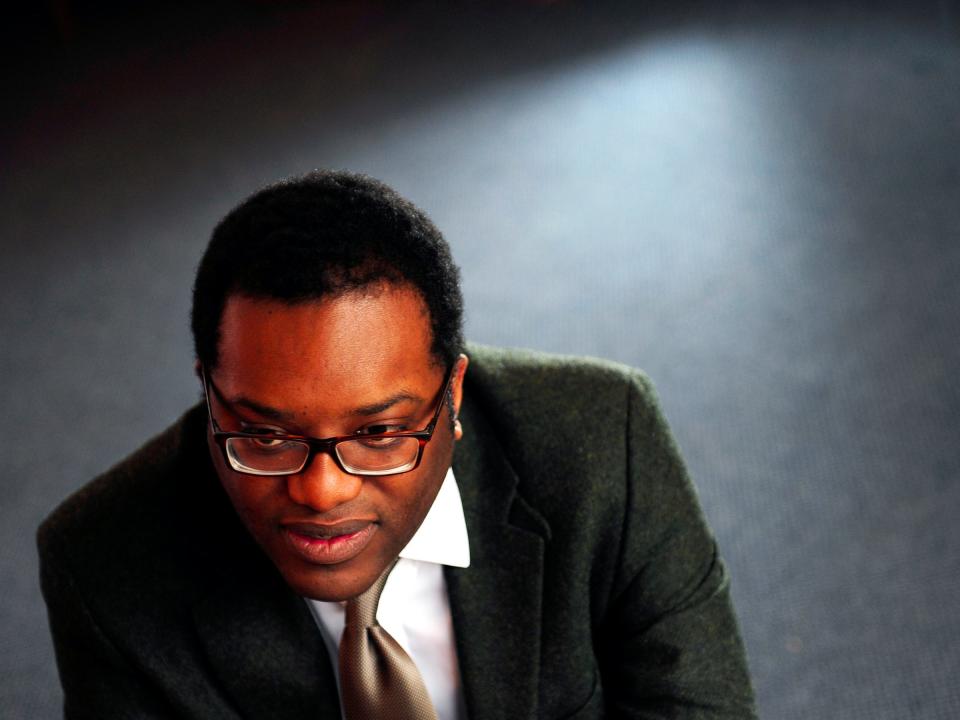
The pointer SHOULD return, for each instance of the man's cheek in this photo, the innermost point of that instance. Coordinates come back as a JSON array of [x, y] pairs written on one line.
[[250, 509]]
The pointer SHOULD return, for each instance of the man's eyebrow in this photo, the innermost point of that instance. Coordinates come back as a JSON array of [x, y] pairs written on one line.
[[272, 413], [379, 407], [252, 405], [262, 410]]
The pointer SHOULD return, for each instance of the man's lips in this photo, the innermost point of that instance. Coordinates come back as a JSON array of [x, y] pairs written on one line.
[[327, 532], [328, 544]]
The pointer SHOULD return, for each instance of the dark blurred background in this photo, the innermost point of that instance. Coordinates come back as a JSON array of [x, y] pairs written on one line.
[[758, 204]]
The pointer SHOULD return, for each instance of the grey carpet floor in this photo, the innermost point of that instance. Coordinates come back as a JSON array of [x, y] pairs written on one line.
[[759, 206]]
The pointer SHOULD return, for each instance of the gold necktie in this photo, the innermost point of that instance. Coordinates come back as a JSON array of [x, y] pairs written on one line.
[[378, 680]]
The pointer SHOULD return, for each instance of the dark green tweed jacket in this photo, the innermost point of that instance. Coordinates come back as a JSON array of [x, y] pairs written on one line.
[[595, 588]]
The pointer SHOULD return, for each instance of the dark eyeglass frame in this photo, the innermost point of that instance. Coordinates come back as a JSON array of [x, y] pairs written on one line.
[[322, 445]]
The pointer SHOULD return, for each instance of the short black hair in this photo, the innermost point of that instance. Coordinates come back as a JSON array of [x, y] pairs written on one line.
[[318, 236]]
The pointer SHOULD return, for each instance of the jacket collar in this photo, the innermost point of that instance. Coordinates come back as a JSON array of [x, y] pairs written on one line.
[[496, 602]]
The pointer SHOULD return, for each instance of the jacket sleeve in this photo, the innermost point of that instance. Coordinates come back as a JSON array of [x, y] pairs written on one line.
[[669, 646], [98, 682]]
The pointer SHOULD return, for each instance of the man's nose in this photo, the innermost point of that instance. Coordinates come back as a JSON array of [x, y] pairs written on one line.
[[323, 485]]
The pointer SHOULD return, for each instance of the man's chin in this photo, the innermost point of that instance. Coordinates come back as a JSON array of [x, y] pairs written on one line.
[[333, 583]]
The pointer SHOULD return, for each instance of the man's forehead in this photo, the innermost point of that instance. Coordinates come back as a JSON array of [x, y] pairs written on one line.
[[359, 343]]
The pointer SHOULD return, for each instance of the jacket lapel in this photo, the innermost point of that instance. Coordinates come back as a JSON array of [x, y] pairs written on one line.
[[496, 602], [260, 638]]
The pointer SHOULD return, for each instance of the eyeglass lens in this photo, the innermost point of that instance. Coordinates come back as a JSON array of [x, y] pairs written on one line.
[[372, 456]]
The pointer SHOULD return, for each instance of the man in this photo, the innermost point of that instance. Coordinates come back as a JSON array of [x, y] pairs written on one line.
[[553, 561]]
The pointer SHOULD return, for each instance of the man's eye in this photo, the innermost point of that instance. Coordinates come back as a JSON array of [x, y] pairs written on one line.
[[381, 429], [267, 442], [268, 437], [380, 443]]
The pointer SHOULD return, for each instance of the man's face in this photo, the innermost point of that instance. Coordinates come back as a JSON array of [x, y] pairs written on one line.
[[356, 363]]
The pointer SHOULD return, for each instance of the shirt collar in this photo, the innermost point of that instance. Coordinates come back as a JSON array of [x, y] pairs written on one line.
[[442, 536]]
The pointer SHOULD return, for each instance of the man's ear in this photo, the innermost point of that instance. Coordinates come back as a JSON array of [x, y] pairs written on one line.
[[197, 369], [457, 389]]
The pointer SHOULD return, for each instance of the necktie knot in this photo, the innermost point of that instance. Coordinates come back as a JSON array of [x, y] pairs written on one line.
[[362, 609]]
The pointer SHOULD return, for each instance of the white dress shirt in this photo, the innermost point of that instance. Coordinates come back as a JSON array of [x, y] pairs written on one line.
[[414, 607]]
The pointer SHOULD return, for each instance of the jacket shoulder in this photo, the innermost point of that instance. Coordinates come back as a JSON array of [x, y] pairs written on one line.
[[126, 490], [530, 394], [519, 373], [566, 424]]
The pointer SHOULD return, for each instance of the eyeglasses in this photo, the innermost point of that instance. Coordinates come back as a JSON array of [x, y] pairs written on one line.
[[269, 453]]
